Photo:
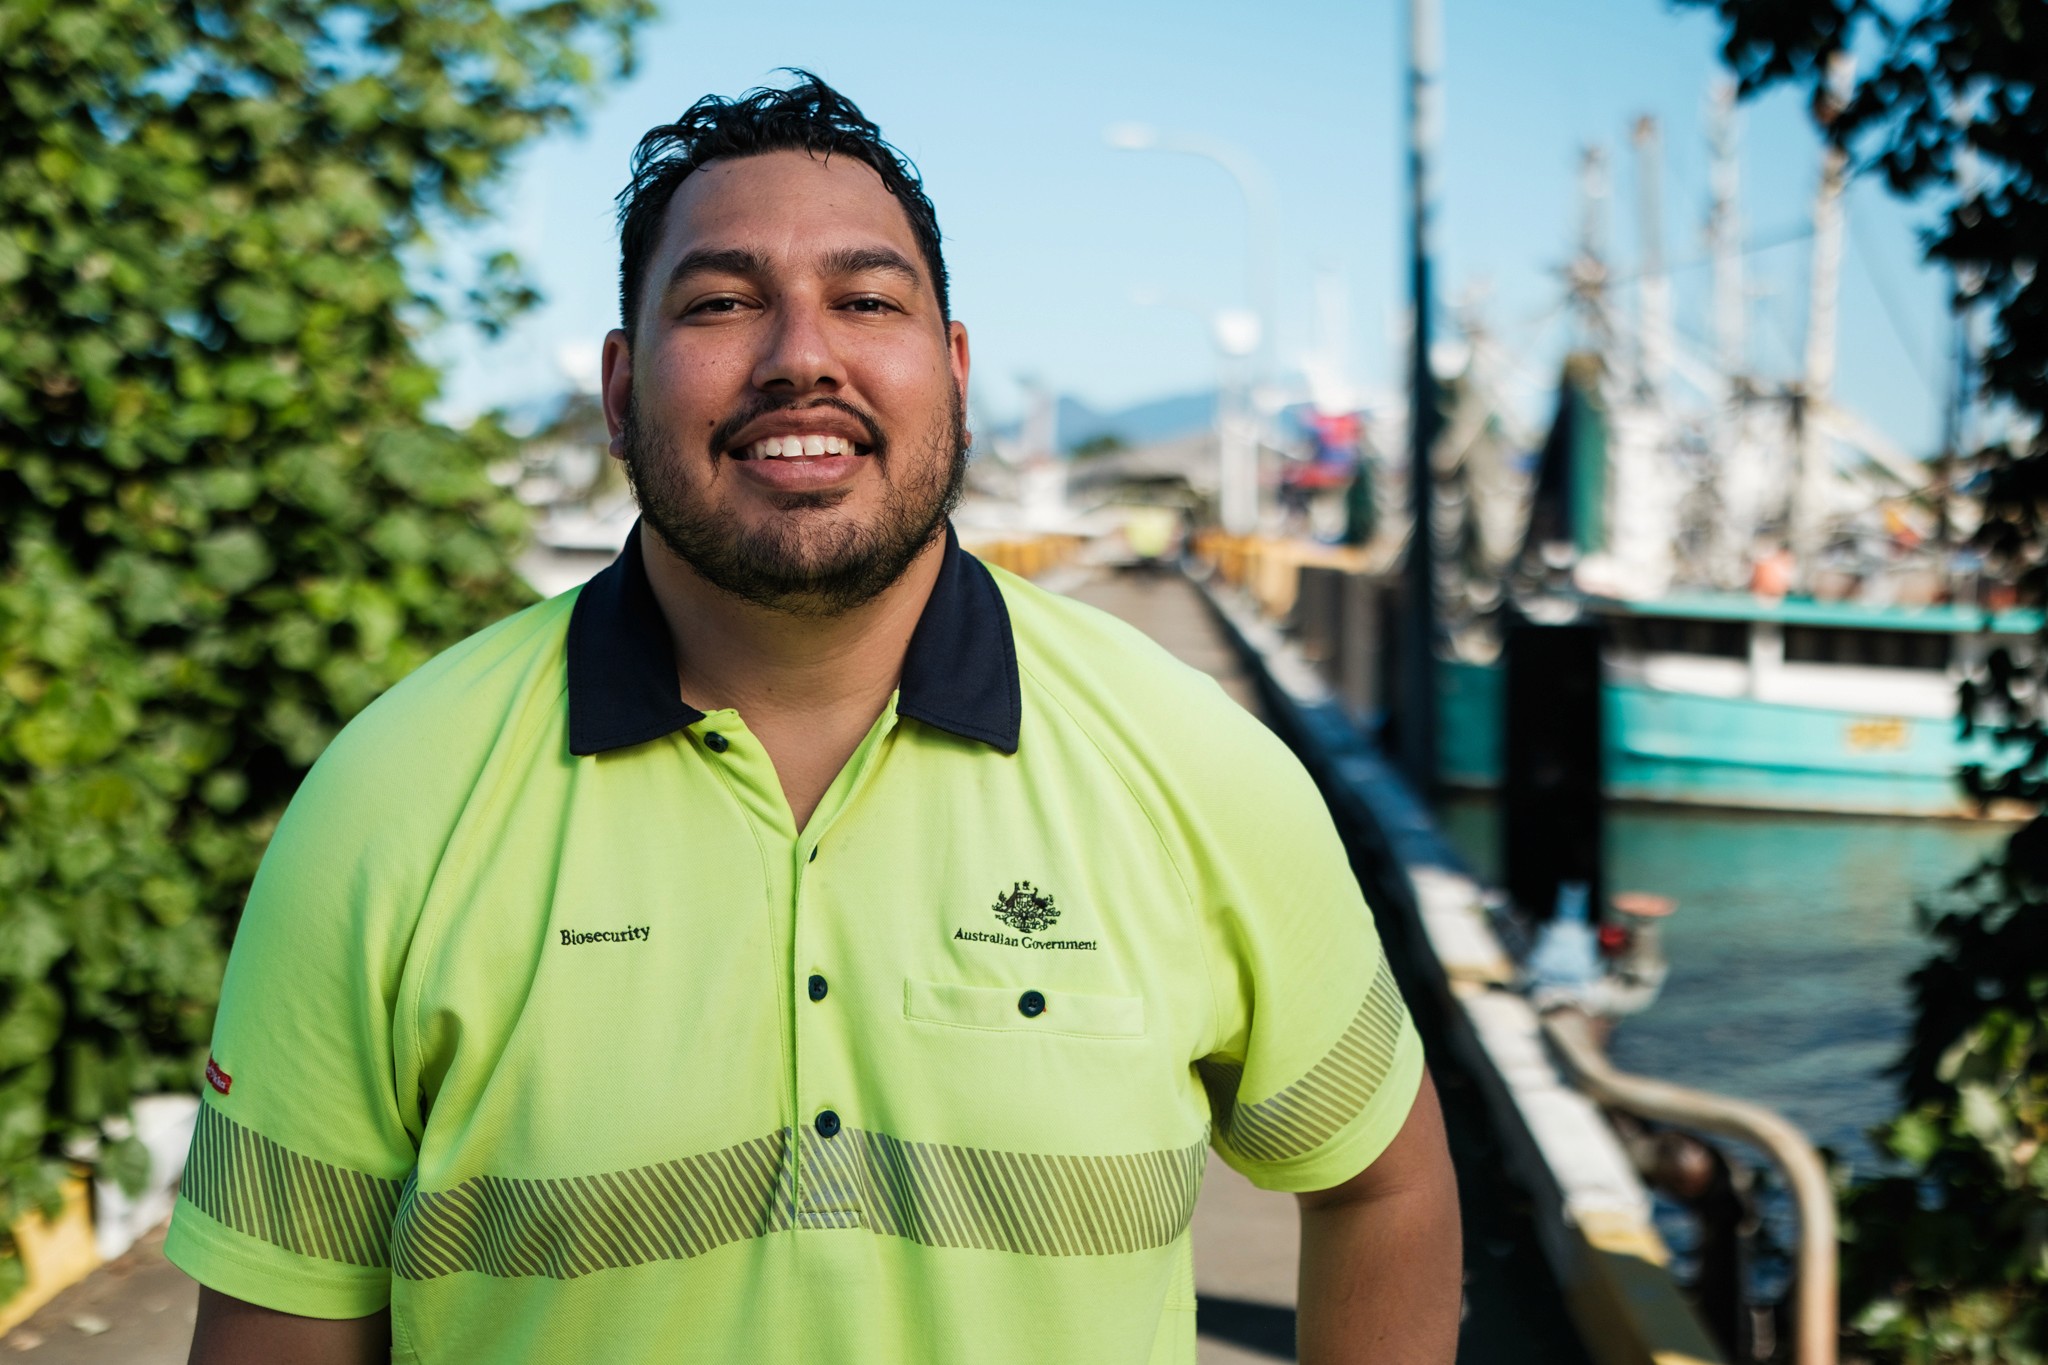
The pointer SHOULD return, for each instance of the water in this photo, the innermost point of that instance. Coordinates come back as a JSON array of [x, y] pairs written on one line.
[[1788, 952]]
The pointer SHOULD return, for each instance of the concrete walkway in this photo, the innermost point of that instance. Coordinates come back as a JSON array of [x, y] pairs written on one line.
[[136, 1310], [1247, 1247]]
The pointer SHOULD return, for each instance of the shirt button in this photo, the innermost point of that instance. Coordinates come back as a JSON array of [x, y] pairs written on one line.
[[1031, 1004], [714, 741], [827, 1123], [818, 987]]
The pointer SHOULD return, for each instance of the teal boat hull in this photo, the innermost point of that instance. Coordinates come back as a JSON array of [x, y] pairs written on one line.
[[1686, 749]]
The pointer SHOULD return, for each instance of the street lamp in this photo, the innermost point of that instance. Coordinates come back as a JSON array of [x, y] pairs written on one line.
[[1250, 179], [1239, 333]]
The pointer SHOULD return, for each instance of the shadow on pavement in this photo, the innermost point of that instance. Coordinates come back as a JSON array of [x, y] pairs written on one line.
[[1266, 1328]]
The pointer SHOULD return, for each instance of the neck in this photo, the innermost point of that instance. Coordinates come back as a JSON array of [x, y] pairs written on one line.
[[771, 665]]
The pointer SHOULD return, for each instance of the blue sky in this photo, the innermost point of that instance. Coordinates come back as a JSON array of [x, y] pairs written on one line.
[[1049, 232]]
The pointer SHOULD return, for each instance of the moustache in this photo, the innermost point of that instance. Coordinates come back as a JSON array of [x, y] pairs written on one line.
[[723, 435]]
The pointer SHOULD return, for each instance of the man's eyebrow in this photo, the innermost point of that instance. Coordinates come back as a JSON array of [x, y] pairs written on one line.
[[863, 260], [733, 260], [730, 260]]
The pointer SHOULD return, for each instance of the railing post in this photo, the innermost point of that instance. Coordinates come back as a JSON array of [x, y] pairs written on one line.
[[1816, 1327]]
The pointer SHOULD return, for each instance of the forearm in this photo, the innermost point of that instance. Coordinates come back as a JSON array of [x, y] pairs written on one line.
[[1381, 1282], [1382, 1260], [232, 1332]]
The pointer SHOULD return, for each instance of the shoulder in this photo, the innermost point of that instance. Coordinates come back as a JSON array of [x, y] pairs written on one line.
[[1168, 725]]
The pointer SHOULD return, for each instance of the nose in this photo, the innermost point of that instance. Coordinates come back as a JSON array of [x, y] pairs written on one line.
[[797, 356]]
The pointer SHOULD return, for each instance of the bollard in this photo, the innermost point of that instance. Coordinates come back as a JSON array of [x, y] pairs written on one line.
[[1552, 806], [1362, 657], [1315, 620]]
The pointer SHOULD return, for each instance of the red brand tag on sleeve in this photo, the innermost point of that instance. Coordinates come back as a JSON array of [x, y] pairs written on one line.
[[215, 1077]]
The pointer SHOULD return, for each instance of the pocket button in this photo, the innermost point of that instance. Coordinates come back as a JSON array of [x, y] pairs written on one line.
[[1031, 1004]]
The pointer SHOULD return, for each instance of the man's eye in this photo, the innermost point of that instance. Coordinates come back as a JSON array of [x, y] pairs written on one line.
[[868, 305], [714, 306]]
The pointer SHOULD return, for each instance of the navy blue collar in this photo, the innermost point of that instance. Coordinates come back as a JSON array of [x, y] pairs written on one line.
[[960, 674]]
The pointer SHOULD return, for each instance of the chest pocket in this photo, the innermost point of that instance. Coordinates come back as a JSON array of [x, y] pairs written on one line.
[[1023, 1009]]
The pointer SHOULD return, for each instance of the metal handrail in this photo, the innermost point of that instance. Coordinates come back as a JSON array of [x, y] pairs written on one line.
[[1816, 1306]]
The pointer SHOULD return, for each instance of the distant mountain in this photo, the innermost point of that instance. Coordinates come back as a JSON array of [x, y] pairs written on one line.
[[1158, 419]]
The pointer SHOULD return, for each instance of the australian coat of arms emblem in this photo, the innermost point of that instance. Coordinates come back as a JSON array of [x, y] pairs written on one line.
[[1026, 909]]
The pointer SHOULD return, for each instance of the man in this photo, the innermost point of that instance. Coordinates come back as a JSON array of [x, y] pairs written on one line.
[[802, 941]]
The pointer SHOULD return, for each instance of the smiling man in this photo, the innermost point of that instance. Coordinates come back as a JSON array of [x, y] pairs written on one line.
[[802, 941]]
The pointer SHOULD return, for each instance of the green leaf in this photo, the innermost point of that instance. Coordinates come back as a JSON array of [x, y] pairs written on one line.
[[45, 737], [14, 259], [34, 939], [126, 1163], [171, 900], [233, 560], [1914, 1138], [30, 1023], [224, 791], [260, 313]]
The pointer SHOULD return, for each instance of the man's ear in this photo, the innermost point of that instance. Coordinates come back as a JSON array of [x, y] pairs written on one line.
[[956, 355], [616, 388]]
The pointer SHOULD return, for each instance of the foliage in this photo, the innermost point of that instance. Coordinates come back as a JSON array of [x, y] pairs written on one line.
[[229, 521], [1948, 1261]]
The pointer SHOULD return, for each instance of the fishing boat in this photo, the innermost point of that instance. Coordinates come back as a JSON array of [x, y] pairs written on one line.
[[1787, 603], [1727, 699]]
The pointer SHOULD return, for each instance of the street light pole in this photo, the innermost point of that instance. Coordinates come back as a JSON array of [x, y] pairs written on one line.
[[1243, 337], [1416, 716], [1261, 214]]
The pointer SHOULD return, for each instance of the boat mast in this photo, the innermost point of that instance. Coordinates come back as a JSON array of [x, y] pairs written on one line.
[[1815, 473], [1724, 237], [1958, 428], [1417, 718], [1653, 289], [1734, 467], [1588, 274]]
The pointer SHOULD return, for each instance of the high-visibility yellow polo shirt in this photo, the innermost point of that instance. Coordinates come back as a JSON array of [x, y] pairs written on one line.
[[548, 1027]]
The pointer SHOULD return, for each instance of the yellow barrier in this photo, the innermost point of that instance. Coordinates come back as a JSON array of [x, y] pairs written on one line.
[[1270, 568], [1628, 1308], [56, 1252], [1027, 556]]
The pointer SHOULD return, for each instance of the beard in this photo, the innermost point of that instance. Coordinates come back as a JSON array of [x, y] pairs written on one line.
[[805, 561]]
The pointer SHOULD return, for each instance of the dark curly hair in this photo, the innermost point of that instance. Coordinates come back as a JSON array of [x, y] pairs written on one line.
[[810, 116]]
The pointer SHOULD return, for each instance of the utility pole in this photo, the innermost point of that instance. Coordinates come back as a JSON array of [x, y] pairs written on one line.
[[1417, 710], [1653, 289], [1815, 476]]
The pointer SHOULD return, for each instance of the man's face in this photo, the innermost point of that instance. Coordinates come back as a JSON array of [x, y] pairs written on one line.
[[790, 409]]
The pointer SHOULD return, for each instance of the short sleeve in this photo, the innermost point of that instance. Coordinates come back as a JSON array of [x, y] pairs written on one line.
[[1316, 1062], [304, 1140]]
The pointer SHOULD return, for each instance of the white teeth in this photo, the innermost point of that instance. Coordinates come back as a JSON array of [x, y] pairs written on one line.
[[798, 447]]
